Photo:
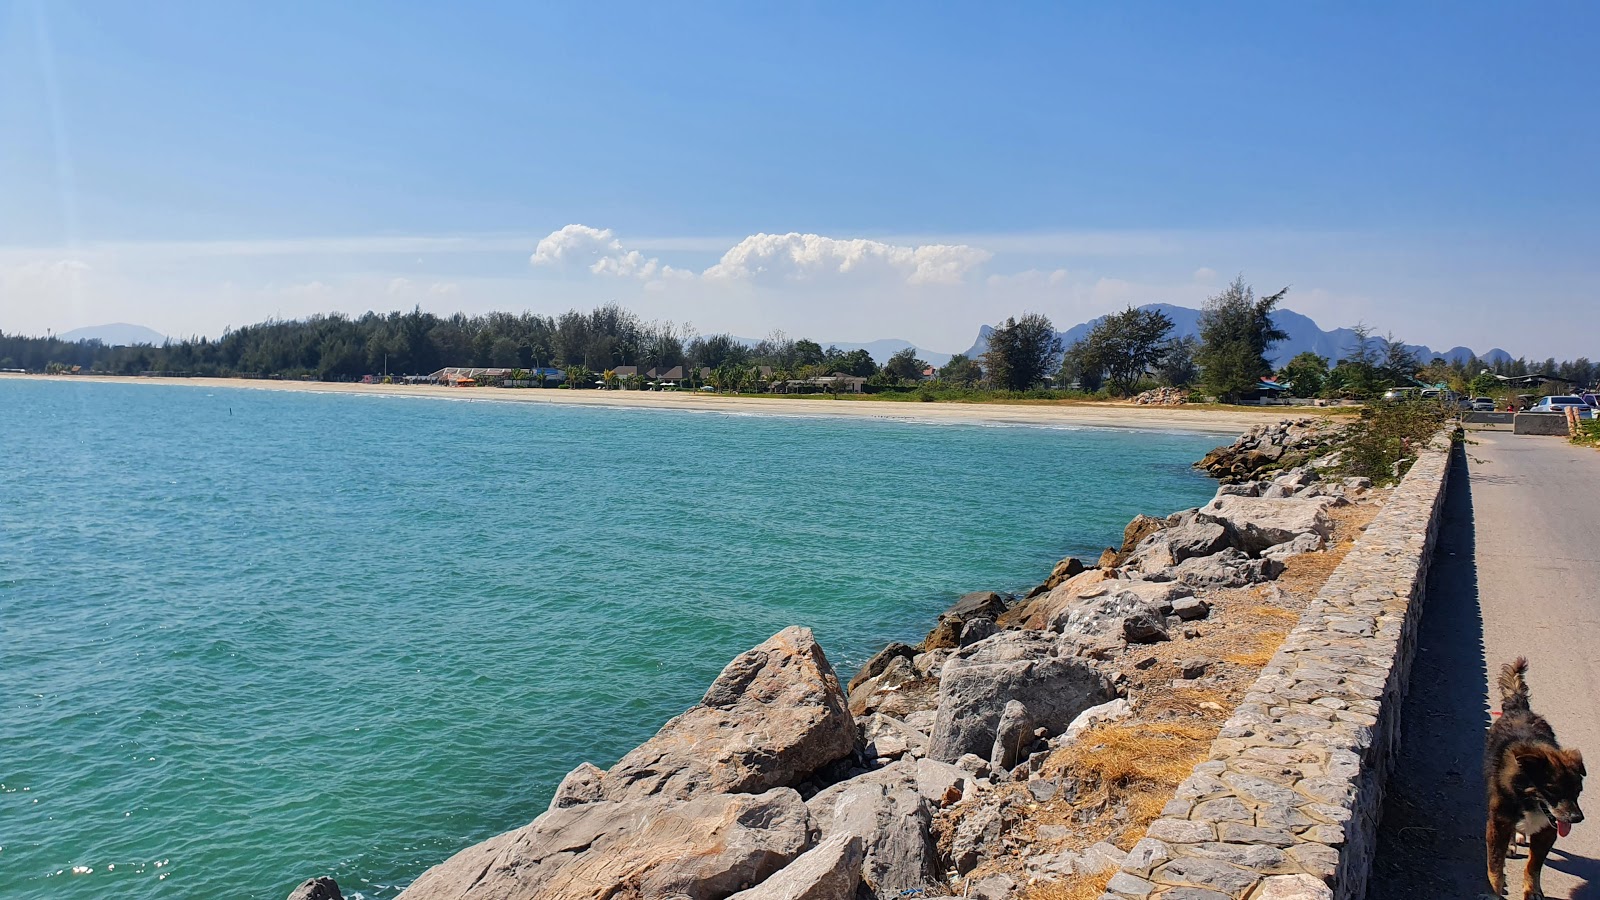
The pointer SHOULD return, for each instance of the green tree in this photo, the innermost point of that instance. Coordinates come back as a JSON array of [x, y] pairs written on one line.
[[904, 365], [1236, 331], [1400, 364], [1080, 369], [961, 370], [856, 362], [1307, 373], [807, 353], [1022, 352], [1483, 384], [1177, 368], [1124, 346]]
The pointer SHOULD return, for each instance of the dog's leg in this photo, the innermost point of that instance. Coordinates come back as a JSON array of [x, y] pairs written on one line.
[[1539, 845], [1497, 837]]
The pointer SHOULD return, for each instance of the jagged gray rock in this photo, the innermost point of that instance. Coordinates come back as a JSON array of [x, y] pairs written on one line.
[[979, 681], [1144, 624], [774, 716], [1012, 736], [886, 736], [320, 888], [1256, 523], [829, 871], [1102, 613], [1228, 568], [582, 785], [895, 824], [708, 846], [880, 661]]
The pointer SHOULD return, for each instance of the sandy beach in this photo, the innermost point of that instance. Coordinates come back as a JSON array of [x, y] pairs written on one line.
[[1086, 414]]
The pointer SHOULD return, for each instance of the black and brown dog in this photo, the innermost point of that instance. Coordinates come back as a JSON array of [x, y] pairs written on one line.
[[1533, 783]]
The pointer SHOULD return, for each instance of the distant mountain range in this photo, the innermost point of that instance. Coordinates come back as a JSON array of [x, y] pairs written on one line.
[[882, 350], [1303, 335], [117, 334]]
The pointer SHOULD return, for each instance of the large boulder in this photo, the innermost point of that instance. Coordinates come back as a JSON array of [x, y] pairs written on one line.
[[1171, 546], [1026, 666], [773, 717], [946, 632], [891, 810], [880, 661], [1102, 613], [1228, 569], [1045, 608], [1141, 527], [706, 847], [322, 888], [829, 871], [902, 688], [1256, 523]]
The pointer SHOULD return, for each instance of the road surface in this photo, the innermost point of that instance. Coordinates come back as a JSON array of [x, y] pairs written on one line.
[[1516, 573]]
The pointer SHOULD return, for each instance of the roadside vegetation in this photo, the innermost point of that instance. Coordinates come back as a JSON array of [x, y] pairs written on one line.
[[1383, 441]]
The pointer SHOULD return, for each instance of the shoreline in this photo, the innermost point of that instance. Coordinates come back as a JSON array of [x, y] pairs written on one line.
[[1103, 414]]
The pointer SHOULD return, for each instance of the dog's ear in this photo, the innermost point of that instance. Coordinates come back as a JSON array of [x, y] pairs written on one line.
[[1574, 759], [1531, 758]]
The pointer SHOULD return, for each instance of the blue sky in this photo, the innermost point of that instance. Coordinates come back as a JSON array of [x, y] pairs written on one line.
[[849, 173]]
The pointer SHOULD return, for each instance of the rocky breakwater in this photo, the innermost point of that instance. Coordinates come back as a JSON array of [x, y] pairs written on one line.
[[1277, 446], [1287, 804], [914, 778]]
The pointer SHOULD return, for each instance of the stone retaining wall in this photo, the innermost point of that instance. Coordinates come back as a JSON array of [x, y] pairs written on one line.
[[1287, 806]]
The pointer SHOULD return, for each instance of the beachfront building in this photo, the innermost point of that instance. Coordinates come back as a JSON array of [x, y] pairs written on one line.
[[469, 376], [838, 381]]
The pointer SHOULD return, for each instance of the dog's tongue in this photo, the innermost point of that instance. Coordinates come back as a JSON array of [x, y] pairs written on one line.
[[1563, 828]]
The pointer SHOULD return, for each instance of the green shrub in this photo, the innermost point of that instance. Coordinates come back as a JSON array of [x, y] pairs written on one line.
[[1383, 442]]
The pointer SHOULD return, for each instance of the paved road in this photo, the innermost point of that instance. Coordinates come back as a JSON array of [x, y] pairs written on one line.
[[1517, 573]]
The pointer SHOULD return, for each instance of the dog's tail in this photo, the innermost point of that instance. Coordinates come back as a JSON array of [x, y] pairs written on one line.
[[1513, 688]]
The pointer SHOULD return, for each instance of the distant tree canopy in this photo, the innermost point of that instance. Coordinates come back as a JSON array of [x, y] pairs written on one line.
[[1236, 331], [905, 366], [1124, 346], [1022, 353], [961, 370], [1372, 365], [339, 348], [1307, 372], [1177, 369]]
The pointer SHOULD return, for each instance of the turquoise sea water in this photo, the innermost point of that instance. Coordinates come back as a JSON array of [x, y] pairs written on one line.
[[249, 636]]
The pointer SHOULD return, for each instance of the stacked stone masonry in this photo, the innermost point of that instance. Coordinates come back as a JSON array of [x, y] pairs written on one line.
[[1287, 805]]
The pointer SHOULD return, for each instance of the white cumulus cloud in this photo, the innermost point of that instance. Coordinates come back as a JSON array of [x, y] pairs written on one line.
[[798, 257], [602, 252]]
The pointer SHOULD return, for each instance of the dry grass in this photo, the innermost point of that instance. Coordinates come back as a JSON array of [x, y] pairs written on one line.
[[1263, 646], [1118, 755], [1116, 777], [1087, 888]]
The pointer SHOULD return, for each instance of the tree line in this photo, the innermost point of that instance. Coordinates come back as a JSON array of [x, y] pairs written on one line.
[[1123, 353], [340, 348]]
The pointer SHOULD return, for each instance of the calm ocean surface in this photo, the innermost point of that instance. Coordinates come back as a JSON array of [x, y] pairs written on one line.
[[249, 636]]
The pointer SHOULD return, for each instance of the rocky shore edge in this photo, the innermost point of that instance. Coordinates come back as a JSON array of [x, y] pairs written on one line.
[[784, 782]]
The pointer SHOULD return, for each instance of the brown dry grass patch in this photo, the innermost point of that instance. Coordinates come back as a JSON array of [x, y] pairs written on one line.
[[1089, 887], [1117, 777]]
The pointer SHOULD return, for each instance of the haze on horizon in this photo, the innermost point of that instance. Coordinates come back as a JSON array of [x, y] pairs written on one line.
[[844, 173]]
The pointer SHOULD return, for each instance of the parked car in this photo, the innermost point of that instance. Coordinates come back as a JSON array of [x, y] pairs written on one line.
[[1394, 394], [1482, 404], [1559, 403]]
